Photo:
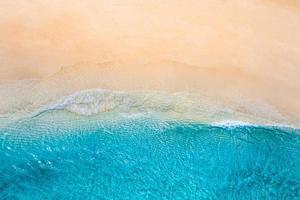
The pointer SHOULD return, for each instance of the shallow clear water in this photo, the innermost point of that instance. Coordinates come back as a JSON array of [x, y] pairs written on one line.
[[146, 158]]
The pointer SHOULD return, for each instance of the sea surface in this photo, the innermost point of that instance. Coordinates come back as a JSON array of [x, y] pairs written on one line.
[[59, 155]]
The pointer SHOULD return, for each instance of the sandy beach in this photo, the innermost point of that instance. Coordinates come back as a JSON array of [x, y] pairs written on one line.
[[244, 55]]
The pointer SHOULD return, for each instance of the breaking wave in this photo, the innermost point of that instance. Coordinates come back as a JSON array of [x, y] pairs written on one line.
[[170, 105], [94, 101]]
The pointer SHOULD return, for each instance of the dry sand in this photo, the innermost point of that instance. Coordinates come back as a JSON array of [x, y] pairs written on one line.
[[234, 52]]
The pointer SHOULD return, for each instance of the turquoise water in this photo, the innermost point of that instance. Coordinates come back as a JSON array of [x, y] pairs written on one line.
[[146, 158]]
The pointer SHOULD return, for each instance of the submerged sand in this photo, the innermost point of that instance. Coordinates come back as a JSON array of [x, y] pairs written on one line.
[[240, 55]]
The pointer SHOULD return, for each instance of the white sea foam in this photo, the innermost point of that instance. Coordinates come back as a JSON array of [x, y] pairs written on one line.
[[89, 102], [232, 123], [176, 105], [94, 101]]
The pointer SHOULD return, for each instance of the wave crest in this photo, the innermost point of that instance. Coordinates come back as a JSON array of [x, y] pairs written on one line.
[[182, 106], [94, 101]]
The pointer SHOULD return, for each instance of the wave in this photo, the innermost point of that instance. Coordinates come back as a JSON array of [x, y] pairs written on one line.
[[95, 101], [235, 124], [183, 106]]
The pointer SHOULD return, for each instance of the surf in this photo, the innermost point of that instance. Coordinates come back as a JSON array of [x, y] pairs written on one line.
[[63, 154]]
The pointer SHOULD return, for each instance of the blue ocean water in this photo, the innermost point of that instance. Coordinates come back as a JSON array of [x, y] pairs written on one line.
[[146, 158]]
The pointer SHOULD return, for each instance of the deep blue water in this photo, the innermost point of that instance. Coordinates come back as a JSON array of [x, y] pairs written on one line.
[[147, 159]]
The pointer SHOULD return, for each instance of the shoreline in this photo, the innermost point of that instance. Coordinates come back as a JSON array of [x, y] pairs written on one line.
[[200, 94], [64, 118]]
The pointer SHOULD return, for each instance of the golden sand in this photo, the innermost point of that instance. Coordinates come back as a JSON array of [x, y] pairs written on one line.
[[233, 52]]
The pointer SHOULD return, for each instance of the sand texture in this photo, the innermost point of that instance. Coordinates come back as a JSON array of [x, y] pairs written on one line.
[[243, 55]]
